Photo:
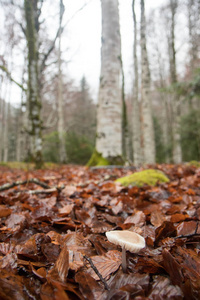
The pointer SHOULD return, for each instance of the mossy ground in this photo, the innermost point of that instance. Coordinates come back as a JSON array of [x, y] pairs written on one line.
[[149, 177], [97, 160], [26, 166], [194, 163]]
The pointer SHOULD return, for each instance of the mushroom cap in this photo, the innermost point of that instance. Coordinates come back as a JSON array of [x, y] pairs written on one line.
[[131, 241]]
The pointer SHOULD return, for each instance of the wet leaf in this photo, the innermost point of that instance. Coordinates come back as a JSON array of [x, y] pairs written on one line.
[[106, 264]]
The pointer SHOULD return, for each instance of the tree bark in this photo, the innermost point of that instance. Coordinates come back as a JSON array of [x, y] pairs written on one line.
[[137, 150], [109, 114], [148, 129], [177, 151], [33, 95], [61, 131]]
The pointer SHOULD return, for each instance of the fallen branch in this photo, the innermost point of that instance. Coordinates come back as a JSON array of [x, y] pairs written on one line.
[[97, 272], [48, 191], [8, 186]]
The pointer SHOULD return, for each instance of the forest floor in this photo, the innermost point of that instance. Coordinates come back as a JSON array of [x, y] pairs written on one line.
[[53, 243]]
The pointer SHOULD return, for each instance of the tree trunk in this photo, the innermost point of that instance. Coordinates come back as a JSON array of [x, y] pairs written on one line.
[[177, 152], [34, 103], [109, 114], [148, 129], [137, 150], [6, 132], [61, 132]]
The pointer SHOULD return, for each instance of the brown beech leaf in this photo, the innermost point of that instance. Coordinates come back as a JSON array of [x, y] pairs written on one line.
[[121, 279], [163, 289], [53, 290], [75, 260], [89, 287], [157, 218], [138, 218], [16, 219], [4, 211], [69, 190], [106, 264], [148, 265], [65, 210], [167, 229], [11, 286], [186, 228], [176, 218], [172, 267], [61, 267]]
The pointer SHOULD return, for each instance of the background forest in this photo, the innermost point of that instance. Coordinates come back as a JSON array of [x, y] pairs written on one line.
[[61, 121]]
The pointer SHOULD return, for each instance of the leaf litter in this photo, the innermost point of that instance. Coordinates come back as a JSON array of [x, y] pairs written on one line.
[[53, 243]]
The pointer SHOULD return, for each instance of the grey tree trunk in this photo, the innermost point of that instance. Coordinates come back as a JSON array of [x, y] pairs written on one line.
[[34, 103], [109, 114], [61, 131], [137, 149], [6, 132], [148, 129], [177, 151]]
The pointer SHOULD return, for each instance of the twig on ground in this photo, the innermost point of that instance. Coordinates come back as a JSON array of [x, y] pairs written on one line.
[[97, 272], [47, 191], [8, 186]]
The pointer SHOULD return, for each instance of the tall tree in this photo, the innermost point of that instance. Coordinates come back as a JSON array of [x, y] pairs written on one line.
[[109, 114], [61, 132], [34, 102], [148, 129], [137, 153], [176, 101]]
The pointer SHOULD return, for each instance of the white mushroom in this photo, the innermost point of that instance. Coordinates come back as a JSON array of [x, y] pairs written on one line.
[[128, 240]]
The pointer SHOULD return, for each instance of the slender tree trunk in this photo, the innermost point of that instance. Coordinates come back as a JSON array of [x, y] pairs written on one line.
[[109, 114], [34, 103], [125, 127], [137, 150], [148, 129], [5, 132], [1, 118], [177, 152], [61, 132]]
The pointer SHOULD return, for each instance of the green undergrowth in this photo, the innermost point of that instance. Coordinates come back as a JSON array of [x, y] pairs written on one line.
[[146, 177]]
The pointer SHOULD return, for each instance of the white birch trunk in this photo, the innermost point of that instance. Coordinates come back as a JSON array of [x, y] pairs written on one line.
[[148, 130], [109, 114], [137, 149]]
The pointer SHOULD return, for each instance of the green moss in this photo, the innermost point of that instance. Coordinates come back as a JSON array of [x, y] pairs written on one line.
[[97, 160], [149, 177], [194, 163]]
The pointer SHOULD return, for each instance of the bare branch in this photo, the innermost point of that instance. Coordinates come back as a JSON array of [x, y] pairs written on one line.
[[4, 69]]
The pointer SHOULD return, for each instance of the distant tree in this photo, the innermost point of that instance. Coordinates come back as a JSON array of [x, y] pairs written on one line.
[[61, 131], [109, 112], [176, 101], [137, 150], [147, 126]]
